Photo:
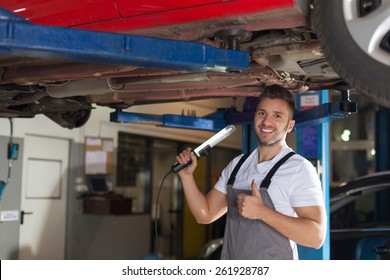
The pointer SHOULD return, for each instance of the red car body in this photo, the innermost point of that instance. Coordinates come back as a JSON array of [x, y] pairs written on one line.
[[124, 16], [135, 17]]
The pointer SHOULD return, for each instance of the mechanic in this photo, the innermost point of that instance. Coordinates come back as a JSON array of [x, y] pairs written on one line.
[[263, 223]]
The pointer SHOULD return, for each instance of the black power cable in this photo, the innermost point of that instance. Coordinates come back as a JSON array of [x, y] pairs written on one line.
[[156, 212]]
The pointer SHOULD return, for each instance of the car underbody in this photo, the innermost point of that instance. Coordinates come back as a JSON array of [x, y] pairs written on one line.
[[286, 52]]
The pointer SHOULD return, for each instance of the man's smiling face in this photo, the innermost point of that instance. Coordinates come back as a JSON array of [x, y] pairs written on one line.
[[273, 120]]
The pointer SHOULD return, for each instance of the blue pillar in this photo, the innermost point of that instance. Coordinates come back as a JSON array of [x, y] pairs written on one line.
[[313, 143]]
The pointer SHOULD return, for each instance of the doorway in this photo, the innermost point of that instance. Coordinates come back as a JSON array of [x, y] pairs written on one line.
[[44, 198]]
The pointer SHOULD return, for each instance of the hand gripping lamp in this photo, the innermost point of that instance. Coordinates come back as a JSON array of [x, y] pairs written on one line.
[[204, 148]]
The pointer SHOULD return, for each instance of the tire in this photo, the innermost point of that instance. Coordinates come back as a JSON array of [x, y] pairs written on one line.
[[369, 73]]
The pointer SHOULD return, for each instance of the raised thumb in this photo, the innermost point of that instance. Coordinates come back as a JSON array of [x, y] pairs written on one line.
[[255, 191]]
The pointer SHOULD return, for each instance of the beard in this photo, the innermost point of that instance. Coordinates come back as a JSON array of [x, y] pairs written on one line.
[[280, 135]]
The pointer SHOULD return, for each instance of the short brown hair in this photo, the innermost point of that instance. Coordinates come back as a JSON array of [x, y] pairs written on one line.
[[278, 92]]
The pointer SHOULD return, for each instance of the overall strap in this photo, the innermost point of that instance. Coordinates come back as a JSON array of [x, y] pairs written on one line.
[[232, 177], [267, 180]]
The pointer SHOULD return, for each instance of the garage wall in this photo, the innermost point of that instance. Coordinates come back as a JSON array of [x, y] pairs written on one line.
[[88, 236], [9, 231]]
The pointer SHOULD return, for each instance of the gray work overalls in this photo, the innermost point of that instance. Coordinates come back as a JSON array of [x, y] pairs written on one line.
[[247, 239]]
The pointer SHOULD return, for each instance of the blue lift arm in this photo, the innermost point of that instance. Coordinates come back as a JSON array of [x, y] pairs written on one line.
[[19, 37], [326, 112], [223, 117], [206, 123]]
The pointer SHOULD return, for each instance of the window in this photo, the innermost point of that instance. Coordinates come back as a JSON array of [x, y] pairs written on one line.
[[133, 174]]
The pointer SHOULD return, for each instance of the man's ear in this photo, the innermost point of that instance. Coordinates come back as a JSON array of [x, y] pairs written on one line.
[[290, 125]]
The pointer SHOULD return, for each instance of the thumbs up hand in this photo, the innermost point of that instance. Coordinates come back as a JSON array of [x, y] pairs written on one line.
[[249, 206], [255, 190]]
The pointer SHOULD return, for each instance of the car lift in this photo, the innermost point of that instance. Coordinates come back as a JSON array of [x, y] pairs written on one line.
[[19, 37]]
